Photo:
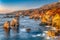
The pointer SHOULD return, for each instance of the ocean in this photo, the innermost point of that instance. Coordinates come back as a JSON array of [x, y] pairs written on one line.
[[35, 33]]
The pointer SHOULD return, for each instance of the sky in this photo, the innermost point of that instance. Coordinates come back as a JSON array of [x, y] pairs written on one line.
[[13, 5]]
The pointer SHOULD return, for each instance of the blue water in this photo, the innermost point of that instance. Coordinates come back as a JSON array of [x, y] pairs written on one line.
[[23, 35]]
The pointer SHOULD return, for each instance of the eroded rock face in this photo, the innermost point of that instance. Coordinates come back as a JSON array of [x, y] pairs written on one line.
[[6, 24], [28, 29], [6, 28], [13, 22], [52, 15]]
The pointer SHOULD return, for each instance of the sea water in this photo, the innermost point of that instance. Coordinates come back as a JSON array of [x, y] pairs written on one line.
[[35, 33]]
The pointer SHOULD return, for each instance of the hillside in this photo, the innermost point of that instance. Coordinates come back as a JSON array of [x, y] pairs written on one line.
[[43, 8], [40, 10]]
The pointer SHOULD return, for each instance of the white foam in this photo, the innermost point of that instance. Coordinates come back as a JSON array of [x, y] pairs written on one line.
[[43, 34], [45, 31], [47, 26], [38, 35], [47, 37], [24, 20], [23, 30], [34, 36]]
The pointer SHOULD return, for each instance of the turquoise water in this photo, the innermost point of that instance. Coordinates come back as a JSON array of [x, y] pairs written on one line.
[[34, 34]]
